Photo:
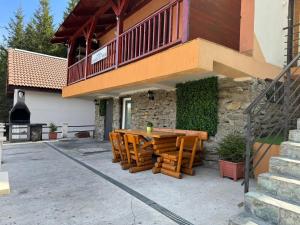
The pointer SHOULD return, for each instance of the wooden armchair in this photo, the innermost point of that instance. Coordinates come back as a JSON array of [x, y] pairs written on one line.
[[180, 160], [118, 149], [139, 154]]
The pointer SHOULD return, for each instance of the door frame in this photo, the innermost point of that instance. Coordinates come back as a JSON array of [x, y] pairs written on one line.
[[108, 119], [123, 111]]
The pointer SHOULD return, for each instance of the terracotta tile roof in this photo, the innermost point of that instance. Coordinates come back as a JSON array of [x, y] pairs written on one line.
[[32, 69]]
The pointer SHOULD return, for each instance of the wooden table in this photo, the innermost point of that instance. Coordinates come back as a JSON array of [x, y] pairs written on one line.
[[154, 134], [161, 141]]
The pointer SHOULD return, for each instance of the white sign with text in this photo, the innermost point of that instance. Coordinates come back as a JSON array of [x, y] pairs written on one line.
[[98, 56]]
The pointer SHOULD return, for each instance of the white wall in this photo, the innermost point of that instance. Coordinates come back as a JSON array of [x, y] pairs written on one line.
[[270, 19], [46, 107]]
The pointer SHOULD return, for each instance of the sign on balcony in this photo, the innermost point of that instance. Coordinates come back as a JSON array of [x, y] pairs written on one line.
[[99, 55]]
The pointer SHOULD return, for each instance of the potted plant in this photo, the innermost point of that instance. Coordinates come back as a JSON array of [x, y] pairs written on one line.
[[231, 152], [52, 131], [149, 127]]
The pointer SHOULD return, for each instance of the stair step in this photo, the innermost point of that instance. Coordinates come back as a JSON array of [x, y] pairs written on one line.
[[246, 219], [271, 209], [298, 123], [285, 166], [294, 136], [280, 187], [290, 150]]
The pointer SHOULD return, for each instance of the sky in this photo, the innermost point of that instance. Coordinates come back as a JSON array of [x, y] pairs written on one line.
[[8, 7]]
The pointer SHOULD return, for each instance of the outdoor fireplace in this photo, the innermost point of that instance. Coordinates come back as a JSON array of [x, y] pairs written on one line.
[[20, 113]]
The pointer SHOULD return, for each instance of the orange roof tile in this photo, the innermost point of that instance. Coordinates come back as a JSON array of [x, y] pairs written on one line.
[[32, 69]]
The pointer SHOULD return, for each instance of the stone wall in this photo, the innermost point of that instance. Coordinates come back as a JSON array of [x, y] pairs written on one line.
[[99, 124], [234, 97], [161, 111], [116, 113]]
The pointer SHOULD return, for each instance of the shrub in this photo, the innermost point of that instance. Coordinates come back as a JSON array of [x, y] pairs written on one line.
[[149, 124], [232, 148], [197, 105], [52, 127]]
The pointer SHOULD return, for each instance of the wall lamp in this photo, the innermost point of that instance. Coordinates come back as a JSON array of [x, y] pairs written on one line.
[[150, 95]]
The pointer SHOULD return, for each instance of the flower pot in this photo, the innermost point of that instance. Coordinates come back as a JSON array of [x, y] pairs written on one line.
[[52, 135], [266, 151], [231, 169], [149, 129]]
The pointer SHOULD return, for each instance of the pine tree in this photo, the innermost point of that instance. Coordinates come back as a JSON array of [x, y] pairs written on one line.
[[40, 30], [70, 7], [15, 30]]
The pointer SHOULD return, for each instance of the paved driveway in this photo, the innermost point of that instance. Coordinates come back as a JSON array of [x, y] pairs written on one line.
[[74, 182]]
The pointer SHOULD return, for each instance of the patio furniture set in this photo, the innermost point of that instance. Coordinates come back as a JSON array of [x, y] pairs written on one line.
[[168, 151]]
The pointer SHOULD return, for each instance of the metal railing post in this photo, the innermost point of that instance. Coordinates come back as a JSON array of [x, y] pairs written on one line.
[[290, 34], [287, 90], [248, 153]]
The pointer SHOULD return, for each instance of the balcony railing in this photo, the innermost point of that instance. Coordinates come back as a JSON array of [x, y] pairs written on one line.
[[154, 34]]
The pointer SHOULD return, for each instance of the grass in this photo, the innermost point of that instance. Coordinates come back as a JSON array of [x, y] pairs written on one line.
[[275, 140]]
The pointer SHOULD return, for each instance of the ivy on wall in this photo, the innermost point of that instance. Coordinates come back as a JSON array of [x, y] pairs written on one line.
[[197, 105]]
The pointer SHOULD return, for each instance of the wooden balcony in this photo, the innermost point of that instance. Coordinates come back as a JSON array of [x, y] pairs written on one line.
[[154, 34]]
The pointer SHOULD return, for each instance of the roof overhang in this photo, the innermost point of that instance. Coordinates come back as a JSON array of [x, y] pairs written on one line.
[[101, 10]]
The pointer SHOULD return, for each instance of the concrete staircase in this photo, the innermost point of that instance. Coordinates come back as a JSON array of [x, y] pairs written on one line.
[[277, 196]]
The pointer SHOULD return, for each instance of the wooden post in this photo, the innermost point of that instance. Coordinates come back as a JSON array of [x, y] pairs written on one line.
[[185, 20], [88, 40], [118, 43], [119, 11], [71, 48]]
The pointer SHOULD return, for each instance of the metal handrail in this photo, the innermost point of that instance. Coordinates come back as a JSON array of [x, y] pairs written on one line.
[[276, 79], [281, 102], [261, 111]]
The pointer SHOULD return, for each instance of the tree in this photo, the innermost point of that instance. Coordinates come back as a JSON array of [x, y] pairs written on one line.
[[40, 29], [15, 30], [70, 7], [5, 102]]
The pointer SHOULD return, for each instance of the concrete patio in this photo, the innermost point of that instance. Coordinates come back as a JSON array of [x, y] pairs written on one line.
[[74, 182]]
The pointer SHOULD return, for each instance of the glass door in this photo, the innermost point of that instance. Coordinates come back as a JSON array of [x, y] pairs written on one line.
[[126, 113]]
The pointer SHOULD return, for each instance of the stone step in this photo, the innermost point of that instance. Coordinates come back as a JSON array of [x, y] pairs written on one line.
[[246, 219], [298, 123], [294, 136], [285, 166], [280, 187], [271, 209], [290, 150]]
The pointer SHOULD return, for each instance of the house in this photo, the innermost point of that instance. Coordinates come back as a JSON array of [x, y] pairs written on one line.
[[39, 79], [195, 65], [134, 56]]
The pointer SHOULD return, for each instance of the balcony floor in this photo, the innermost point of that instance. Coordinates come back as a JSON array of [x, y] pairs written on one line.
[[49, 187], [193, 60]]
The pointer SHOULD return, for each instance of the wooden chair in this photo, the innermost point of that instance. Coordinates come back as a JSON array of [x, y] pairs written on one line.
[[118, 149], [139, 154], [180, 160]]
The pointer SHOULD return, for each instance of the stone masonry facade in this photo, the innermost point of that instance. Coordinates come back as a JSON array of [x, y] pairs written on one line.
[[234, 97]]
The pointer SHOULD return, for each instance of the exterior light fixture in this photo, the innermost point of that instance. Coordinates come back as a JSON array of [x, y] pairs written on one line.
[[150, 95], [96, 102]]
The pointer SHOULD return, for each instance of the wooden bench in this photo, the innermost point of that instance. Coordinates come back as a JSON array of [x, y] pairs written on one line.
[[169, 144]]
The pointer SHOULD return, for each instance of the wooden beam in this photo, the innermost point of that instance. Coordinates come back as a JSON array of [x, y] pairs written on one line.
[[186, 19], [100, 11], [120, 7], [118, 34], [88, 40]]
